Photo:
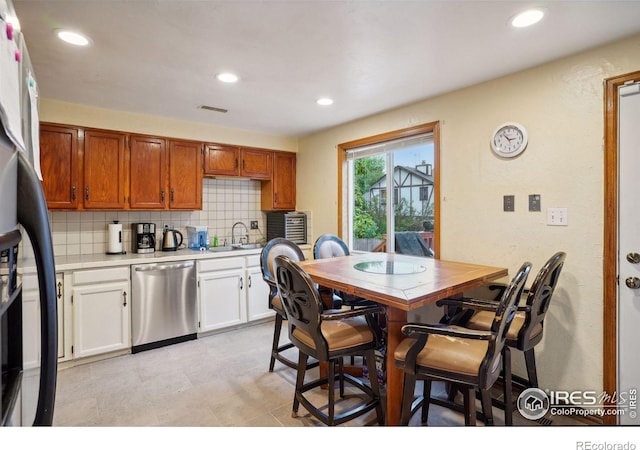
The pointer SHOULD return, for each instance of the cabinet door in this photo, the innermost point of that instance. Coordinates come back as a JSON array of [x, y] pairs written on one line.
[[104, 170], [185, 175], [256, 163], [221, 296], [221, 160], [31, 320], [101, 321], [60, 166], [257, 295], [280, 192], [148, 168]]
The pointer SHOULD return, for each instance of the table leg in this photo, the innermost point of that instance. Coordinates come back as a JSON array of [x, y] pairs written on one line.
[[396, 318]]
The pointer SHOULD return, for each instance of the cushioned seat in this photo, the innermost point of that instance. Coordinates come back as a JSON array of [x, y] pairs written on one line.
[[470, 359], [273, 248], [327, 336], [527, 328]]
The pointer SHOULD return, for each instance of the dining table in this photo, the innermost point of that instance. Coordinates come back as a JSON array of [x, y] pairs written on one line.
[[401, 283]]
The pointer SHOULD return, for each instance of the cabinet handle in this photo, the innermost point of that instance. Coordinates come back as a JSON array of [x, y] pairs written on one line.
[[241, 283], [162, 195], [236, 163], [243, 164], [124, 295], [73, 192], [59, 289], [86, 192], [172, 195], [275, 198], [249, 281]]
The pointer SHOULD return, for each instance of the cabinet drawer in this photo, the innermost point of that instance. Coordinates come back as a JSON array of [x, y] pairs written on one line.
[[253, 261], [98, 276], [220, 264]]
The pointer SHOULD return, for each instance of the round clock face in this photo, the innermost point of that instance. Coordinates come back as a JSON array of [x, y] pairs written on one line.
[[509, 139]]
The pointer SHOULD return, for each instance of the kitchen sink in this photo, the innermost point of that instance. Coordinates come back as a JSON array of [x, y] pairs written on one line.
[[228, 248], [245, 246], [224, 248]]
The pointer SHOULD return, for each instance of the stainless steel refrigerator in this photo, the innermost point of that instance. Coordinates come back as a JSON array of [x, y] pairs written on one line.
[[24, 230]]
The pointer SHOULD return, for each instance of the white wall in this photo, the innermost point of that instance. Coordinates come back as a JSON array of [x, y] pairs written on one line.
[[561, 105]]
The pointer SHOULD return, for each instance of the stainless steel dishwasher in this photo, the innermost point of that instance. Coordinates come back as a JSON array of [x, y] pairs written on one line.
[[163, 304]]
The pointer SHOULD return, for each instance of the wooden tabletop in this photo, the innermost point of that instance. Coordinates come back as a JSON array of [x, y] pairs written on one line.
[[439, 279], [434, 280]]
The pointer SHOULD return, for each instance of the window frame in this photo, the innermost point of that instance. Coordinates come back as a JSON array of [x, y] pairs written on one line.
[[432, 128]]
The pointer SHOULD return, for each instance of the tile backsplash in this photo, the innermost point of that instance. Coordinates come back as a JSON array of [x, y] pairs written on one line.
[[224, 202]]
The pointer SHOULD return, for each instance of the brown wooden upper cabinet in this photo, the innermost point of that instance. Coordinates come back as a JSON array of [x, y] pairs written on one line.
[[234, 161], [279, 193], [185, 175], [147, 173], [104, 170], [60, 166], [165, 174]]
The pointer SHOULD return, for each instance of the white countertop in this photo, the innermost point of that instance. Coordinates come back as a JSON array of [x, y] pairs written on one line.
[[98, 260]]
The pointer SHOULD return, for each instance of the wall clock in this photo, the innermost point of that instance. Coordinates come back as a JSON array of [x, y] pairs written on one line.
[[509, 140]]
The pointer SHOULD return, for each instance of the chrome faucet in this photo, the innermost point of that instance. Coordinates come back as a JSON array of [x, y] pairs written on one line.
[[246, 231]]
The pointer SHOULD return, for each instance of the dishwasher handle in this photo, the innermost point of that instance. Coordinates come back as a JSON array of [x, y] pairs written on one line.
[[163, 267]]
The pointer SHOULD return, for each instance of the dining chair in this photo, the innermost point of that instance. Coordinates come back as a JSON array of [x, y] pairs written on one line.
[[528, 324], [330, 246], [470, 359], [273, 248], [327, 336]]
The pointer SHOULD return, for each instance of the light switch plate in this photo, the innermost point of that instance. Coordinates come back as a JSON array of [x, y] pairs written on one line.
[[508, 203], [534, 202], [557, 216]]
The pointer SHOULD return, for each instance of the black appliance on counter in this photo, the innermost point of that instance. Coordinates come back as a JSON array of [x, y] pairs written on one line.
[[291, 225], [143, 237], [23, 209]]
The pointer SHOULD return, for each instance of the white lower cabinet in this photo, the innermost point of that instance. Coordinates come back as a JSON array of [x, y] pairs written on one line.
[[31, 319], [257, 291], [101, 311], [231, 292], [220, 292]]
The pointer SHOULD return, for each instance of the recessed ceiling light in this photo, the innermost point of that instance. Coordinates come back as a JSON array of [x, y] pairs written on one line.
[[527, 18], [325, 101], [227, 77], [71, 37]]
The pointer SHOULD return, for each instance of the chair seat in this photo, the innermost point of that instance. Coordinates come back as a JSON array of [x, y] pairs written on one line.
[[482, 320], [447, 354], [276, 303], [340, 334]]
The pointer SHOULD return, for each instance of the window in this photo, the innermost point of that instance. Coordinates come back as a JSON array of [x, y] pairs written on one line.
[[402, 166]]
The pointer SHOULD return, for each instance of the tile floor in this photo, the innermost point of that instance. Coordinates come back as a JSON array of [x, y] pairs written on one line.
[[216, 381]]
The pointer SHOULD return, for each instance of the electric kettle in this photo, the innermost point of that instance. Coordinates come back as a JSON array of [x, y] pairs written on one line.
[[170, 242]]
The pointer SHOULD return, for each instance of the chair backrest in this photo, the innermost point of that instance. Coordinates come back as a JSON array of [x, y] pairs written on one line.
[[539, 298], [273, 248], [329, 246], [303, 306], [411, 243], [505, 313]]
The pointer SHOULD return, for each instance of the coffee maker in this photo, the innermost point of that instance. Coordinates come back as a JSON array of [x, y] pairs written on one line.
[[143, 237]]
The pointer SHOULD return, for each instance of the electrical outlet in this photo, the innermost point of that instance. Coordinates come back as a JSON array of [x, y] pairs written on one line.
[[508, 203], [558, 216], [167, 226], [254, 224]]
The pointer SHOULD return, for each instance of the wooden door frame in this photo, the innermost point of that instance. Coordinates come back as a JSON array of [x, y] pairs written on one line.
[[431, 127], [610, 251]]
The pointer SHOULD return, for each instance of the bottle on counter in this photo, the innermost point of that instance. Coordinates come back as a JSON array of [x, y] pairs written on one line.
[[214, 241]]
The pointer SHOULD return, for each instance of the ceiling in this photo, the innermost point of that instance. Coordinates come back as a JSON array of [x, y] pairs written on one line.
[[160, 57]]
